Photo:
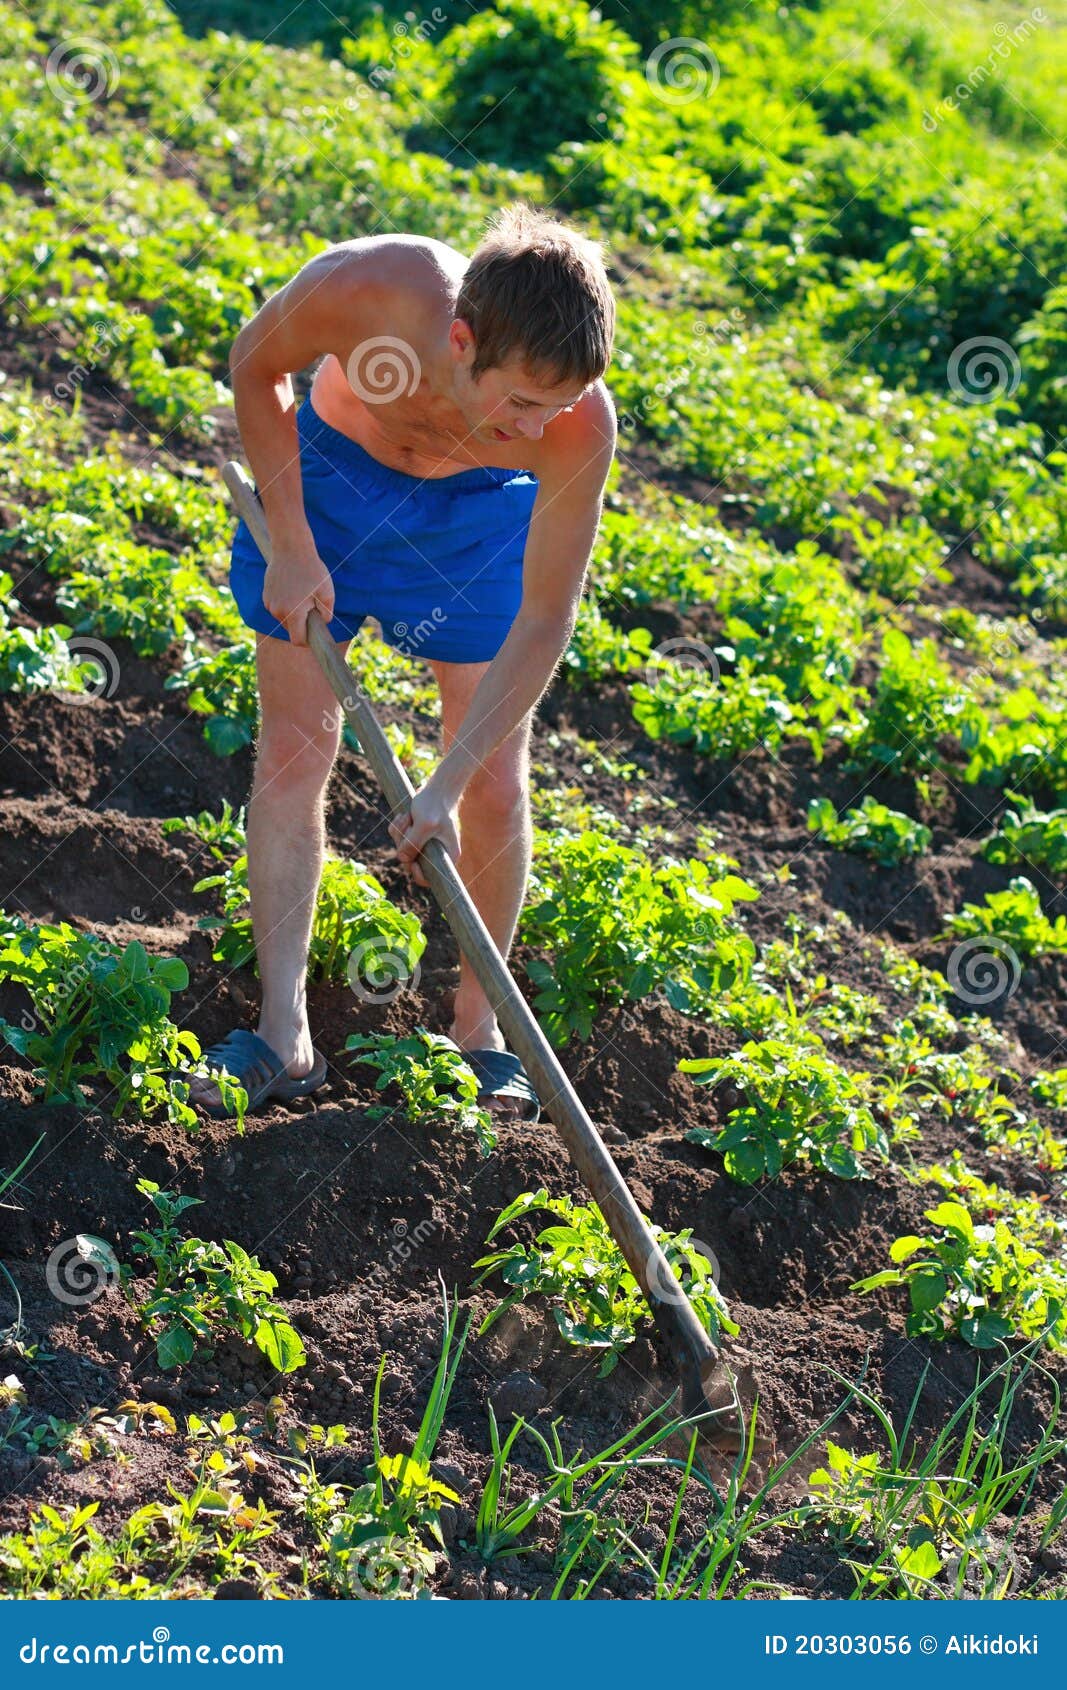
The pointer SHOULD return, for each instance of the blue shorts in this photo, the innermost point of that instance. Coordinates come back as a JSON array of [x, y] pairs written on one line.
[[438, 563]]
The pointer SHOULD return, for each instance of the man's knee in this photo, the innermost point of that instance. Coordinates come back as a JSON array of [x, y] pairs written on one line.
[[290, 758], [499, 797]]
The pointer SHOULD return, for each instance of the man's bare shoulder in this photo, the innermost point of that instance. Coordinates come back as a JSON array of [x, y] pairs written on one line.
[[581, 442], [416, 263]]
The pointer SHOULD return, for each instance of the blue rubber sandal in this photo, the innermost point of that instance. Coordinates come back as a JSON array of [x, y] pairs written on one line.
[[260, 1070], [501, 1074]]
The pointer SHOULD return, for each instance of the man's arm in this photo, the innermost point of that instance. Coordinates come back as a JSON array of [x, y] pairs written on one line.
[[562, 532], [314, 313]]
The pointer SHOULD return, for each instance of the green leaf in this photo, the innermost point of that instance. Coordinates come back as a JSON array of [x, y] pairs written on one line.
[[954, 1218], [174, 1347], [928, 1288], [745, 1163], [281, 1344], [984, 1330], [902, 1248], [921, 1562]]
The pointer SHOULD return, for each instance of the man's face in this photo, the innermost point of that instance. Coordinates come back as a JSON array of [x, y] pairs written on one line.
[[509, 403]]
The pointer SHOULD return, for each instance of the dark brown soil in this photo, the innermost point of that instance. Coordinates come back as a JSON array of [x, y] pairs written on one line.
[[361, 1220]]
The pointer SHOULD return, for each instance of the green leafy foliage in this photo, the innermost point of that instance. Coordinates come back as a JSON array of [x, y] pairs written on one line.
[[799, 1106], [222, 834], [596, 1301], [101, 1012], [1015, 916], [980, 1282], [1027, 834], [871, 829], [357, 933], [437, 1085], [617, 927], [33, 658], [223, 688], [205, 1291], [720, 717], [918, 705], [597, 648], [528, 74]]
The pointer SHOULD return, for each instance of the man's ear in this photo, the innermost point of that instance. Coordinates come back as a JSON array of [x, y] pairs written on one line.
[[461, 335]]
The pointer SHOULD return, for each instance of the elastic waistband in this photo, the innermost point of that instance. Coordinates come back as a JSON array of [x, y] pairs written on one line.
[[342, 449]]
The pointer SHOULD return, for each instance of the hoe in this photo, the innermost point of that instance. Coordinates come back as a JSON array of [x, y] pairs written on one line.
[[708, 1387]]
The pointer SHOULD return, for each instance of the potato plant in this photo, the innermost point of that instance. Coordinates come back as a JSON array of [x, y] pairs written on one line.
[[437, 1085], [205, 1291], [617, 927], [357, 933], [870, 829], [799, 1106], [101, 1012], [596, 1301], [981, 1282]]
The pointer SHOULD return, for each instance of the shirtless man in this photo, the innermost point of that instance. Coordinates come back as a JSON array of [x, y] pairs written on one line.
[[444, 476]]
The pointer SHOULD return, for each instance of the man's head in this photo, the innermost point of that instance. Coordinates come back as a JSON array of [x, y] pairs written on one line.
[[534, 324]]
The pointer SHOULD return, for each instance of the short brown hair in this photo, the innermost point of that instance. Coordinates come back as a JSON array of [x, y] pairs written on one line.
[[538, 289]]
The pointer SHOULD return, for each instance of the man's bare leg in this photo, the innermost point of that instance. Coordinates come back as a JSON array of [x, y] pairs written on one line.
[[299, 733], [495, 846]]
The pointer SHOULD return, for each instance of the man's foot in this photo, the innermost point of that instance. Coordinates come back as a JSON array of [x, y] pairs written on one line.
[[259, 1068], [506, 1087]]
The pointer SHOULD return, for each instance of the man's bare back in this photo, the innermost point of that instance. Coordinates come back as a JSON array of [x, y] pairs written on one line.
[[421, 432]]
